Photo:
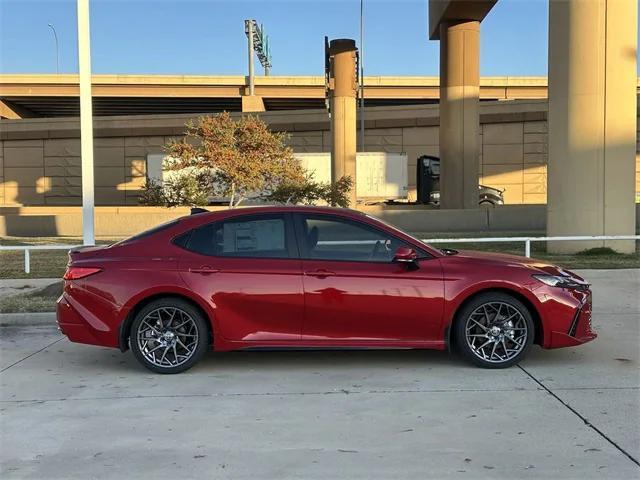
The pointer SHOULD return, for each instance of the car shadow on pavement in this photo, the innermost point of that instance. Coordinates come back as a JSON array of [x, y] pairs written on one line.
[[309, 359], [272, 360], [106, 359]]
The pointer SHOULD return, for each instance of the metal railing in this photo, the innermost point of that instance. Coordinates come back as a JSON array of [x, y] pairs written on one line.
[[28, 248], [526, 240]]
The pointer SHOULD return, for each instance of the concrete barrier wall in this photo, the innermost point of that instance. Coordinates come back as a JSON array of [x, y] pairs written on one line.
[[118, 222]]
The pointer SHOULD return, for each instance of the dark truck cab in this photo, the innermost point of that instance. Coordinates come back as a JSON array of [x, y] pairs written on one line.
[[428, 184]]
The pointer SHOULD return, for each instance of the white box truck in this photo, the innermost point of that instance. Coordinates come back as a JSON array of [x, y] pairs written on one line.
[[380, 175]]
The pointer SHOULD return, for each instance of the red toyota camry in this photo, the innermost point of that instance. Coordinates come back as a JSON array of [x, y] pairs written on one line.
[[292, 277]]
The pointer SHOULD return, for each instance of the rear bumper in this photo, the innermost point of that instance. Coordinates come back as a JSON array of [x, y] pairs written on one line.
[[78, 328]]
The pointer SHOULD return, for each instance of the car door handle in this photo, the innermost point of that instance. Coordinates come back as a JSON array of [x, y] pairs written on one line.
[[321, 273], [205, 270]]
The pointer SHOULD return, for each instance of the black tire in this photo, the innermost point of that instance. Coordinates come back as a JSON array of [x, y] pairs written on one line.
[[467, 330], [198, 334]]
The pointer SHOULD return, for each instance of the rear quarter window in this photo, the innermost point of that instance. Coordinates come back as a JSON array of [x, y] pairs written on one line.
[[150, 232]]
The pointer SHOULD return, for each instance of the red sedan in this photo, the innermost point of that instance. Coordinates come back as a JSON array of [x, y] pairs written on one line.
[[292, 277]]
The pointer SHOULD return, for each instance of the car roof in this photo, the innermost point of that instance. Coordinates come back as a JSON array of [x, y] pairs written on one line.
[[280, 209]]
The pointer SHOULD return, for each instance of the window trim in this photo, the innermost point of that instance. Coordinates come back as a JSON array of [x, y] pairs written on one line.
[[299, 218], [290, 239]]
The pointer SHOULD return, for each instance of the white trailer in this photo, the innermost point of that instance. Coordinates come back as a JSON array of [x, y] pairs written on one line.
[[379, 175]]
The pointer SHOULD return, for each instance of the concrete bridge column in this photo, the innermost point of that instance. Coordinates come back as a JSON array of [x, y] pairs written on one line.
[[459, 113], [592, 121], [343, 87], [252, 103]]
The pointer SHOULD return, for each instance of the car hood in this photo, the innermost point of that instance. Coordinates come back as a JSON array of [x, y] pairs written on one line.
[[514, 261]]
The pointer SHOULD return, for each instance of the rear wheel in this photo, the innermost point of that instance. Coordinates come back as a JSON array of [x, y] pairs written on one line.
[[169, 335], [494, 330]]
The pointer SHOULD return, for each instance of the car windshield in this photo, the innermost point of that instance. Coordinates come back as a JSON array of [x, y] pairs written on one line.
[[446, 251], [395, 229]]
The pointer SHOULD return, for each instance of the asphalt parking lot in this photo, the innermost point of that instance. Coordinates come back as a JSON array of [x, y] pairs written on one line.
[[74, 411]]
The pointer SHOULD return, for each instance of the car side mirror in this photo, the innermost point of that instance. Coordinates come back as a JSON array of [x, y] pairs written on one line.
[[406, 256]]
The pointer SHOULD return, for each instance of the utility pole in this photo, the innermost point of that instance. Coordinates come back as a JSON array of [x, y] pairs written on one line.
[[86, 123], [55, 36], [361, 62], [249, 31]]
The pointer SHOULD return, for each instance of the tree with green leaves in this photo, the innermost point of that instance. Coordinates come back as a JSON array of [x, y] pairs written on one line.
[[243, 156], [309, 192]]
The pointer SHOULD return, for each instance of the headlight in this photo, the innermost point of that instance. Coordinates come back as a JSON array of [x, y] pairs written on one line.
[[561, 281]]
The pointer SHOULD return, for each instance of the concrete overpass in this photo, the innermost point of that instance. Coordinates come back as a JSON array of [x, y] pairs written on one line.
[[25, 96]]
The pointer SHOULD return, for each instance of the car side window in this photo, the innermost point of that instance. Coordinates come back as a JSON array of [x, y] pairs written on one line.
[[264, 236], [333, 238]]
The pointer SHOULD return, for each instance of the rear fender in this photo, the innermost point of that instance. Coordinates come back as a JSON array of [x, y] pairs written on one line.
[[129, 309]]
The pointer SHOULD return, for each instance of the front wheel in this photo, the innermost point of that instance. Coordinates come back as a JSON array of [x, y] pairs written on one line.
[[169, 335], [494, 330]]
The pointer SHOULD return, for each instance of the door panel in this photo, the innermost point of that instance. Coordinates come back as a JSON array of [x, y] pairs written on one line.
[[374, 302], [254, 298], [355, 292]]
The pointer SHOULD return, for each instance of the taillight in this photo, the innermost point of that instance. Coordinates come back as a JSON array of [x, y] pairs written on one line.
[[75, 273]]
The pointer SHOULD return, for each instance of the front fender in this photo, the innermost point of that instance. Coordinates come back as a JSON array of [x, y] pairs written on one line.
[[456, 297]]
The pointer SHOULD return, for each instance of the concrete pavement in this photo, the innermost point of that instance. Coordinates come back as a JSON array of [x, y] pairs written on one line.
[[74, 411], [14, 286]]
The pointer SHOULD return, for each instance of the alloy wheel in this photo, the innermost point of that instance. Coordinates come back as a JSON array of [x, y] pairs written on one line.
[[496, 332], [167, 337]]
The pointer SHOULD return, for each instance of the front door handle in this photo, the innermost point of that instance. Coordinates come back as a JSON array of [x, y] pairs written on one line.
[[320, 273], [205, 270]]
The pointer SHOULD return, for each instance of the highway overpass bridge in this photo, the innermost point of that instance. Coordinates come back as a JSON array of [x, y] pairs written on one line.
[[25, 96]]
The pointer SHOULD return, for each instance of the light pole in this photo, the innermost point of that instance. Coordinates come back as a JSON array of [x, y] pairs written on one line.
[[86, 123], [258, 41], [361, 75], [55, 36], [249, 31]]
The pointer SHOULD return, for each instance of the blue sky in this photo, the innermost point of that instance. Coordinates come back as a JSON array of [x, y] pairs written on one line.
[[207, 36]]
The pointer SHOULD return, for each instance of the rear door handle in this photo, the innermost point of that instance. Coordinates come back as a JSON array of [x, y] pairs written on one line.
[[321, 273], [205, 270]]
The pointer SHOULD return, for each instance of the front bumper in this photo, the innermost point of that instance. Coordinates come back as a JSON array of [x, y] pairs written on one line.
[[571, 319]]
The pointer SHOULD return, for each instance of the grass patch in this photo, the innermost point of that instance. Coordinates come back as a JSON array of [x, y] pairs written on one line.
[[41, 300], [594, 258], [44, 263], [598, 251]]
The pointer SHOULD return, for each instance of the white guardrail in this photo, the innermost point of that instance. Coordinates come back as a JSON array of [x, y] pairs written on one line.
[[28, 248], [526, 240]]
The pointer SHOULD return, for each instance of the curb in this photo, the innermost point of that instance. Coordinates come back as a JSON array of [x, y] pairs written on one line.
[[27, 319]]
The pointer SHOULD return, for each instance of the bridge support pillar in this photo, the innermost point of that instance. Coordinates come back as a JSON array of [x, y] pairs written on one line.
[[459, 113], [592, 122], [252, 103], [343, 87]]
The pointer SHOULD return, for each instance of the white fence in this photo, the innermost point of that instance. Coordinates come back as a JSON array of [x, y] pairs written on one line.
[[28, 248], [526, 240]]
